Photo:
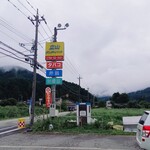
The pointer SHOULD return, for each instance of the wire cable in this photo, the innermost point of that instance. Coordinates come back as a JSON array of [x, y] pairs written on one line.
[[8, 36], [72, 65], [25, 7], [11, 53], [10, 26], [45, 31], [14, 57], [13, 32], [31, 6], [18, 8]]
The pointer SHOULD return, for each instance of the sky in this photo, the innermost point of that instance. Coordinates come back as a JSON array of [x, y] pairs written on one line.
[[106, 43]]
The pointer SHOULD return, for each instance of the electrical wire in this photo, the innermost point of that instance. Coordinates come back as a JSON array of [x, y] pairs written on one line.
[[49, 29], [21, 53], [12, 31], [70, 68], [18, 8], [45, 31], [74, 68], [35, 11], [8, 36], [13, 57], [73, 92], [16, 31], [28, 17], [11, 48], [11, 53], [31, 5], [25, 7]]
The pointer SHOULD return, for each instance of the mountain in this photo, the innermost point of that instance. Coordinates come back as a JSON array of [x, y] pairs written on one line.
[[140, 95], [16, 82]]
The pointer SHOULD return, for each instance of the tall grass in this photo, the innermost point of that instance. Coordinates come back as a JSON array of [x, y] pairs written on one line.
[[101, 126], [116, 115], [18, 111]]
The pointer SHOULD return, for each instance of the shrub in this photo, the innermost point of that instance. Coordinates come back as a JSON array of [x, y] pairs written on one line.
[[11, 111], [8, 102]]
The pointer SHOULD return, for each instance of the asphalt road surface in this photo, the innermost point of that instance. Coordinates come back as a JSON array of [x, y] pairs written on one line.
[[29, 141]]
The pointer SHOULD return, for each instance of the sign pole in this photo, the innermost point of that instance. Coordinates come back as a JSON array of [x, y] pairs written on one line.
[[54, 53], [54, 86]]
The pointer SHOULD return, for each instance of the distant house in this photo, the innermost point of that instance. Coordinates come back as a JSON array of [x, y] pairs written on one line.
[[71, 106], [108, 104]]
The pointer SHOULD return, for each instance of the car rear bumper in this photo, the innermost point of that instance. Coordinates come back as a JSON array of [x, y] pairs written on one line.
[[144, 144]]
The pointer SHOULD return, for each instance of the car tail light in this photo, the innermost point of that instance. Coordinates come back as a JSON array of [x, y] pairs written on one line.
[[146, 131]]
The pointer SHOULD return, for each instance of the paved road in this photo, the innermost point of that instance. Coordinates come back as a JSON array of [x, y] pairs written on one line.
[[29, 141]]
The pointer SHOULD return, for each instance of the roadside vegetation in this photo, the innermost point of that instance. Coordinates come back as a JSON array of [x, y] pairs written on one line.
[[104, 121], [10, 108]]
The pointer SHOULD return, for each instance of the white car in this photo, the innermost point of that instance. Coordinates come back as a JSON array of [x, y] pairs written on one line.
[[143, 131]]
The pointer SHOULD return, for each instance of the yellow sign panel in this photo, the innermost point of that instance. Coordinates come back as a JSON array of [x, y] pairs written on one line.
[[54, 49], [21, 123]]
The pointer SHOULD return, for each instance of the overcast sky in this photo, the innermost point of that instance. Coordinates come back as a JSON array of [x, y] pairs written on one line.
[[107, 42]]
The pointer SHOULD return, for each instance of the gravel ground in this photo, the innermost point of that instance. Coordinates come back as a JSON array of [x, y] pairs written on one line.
[[29, 141]]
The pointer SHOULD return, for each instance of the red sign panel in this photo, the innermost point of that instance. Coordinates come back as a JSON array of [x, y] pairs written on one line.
[[54, 65], [48, 97], [54, 58]]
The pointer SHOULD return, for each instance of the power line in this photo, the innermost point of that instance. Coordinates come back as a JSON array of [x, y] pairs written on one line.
[[11, 53], [18, 8], [72, 65], [72, 91], [21, 53], [8, 36], [10, 26], [40, 16], [49, 29], [25, 7], [70, 68], [13, 31], [28, 18], [13, 57], [11, 48], [45, 31], [31, 6]]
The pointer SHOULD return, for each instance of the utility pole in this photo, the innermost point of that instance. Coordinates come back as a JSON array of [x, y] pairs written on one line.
[[93, 101], [88, 93], [79, 87], [37, 22]]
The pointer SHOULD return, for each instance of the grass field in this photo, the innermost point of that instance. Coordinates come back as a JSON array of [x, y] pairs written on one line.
[[101, 126], [116, 115]]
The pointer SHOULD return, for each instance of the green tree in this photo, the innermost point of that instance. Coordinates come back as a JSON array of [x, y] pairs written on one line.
[[120, 98], [101, 104]]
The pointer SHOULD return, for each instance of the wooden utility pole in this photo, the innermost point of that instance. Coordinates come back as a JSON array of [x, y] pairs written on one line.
[[37, 22], [79, 87]]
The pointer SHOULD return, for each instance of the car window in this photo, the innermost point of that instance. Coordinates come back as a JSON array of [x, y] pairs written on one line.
[[143, 118]]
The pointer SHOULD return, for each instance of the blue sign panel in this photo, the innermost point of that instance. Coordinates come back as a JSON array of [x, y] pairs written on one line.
[[54, 73]]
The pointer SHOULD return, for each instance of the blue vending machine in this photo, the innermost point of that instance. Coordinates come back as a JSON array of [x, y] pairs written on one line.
[[83, 113]]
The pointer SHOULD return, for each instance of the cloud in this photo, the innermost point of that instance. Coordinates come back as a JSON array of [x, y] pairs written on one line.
[[107, 42]]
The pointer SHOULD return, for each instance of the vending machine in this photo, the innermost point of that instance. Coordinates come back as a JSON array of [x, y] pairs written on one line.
[[83, 113]]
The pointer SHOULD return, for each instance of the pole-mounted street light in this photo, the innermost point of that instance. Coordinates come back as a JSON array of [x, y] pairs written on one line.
[[59, 27]]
